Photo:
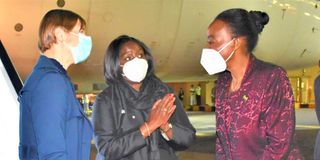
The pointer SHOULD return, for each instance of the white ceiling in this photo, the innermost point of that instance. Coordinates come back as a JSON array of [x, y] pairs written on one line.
[[175, 30]]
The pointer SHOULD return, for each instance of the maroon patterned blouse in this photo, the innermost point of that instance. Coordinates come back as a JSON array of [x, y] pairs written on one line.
[[258, 120]]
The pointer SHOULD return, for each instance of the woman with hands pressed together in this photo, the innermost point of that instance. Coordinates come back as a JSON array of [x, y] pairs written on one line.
[[137, 116]]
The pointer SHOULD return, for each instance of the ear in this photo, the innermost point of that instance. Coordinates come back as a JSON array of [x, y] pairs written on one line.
[[59, 35], [239, 42]]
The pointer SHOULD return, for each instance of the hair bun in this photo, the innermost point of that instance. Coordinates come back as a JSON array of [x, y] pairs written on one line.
[[260, 19]]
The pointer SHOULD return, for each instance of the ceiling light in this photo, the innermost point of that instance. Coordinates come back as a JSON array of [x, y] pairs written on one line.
[[18, 27], [274, 1], [61, 3], [316, 17], [307, 14]]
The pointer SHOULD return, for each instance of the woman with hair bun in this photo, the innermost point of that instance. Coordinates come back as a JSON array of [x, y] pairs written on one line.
[[254, 102]]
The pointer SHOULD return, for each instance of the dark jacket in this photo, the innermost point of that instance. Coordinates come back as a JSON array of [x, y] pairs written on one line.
[[119, 111], [52, 122], [317, 108], [257, 121], [317, 96]]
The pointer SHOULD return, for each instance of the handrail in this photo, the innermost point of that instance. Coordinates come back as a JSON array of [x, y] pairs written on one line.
[[12, 73]]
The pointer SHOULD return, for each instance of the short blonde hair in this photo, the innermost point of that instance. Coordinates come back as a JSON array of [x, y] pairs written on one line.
[[53, 19]]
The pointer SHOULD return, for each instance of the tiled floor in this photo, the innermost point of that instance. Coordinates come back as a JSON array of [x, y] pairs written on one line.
[[196, 156], [204, 122]]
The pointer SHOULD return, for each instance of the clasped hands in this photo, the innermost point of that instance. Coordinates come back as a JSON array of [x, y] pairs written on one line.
[[159, 115]]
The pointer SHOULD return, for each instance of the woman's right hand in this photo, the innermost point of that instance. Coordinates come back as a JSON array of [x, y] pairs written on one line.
[[160, 113]]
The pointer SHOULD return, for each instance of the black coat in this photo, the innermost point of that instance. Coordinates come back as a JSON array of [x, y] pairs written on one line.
[[118, 113]]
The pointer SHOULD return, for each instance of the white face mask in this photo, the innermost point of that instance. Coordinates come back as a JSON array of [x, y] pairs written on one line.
[[136, 69], [212, 61]]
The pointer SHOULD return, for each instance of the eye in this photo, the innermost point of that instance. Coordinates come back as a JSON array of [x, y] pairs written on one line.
[[128, 58], [210, 40], [141, 55]]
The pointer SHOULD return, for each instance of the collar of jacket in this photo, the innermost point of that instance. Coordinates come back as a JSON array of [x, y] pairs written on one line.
[[151, 90], [50, 63], [251, 67]]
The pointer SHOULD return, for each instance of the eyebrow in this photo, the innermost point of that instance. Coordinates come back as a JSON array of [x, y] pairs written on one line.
[[131, 50], [210, 37]]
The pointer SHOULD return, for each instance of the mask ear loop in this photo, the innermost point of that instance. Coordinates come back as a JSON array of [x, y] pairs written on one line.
[[225, 45], [75, 34], [230, 55]]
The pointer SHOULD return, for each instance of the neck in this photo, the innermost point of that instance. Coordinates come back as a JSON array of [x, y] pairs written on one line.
[[135, 85], [60, 55], [237, 69]]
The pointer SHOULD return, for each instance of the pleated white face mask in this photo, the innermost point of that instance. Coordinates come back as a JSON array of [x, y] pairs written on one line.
[[212, 61], [136, 69]]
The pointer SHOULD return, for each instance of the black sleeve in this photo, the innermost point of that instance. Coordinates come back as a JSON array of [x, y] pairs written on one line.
[[109, 143], [183, 131]]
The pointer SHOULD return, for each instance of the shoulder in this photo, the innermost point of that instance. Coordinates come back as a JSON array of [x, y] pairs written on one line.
[[269, 70], [45, 80], [317, 83], [266, 66], [54, 81], [317, 80], [105, 103], [317, 86], [161, 85], [106, 96], [274, 78], [49, 93]]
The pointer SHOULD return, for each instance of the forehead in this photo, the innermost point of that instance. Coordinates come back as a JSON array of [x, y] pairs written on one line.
[[219, 29], [130, 47]]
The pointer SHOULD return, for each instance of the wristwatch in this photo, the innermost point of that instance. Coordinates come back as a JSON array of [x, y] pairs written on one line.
[[163, 133]]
